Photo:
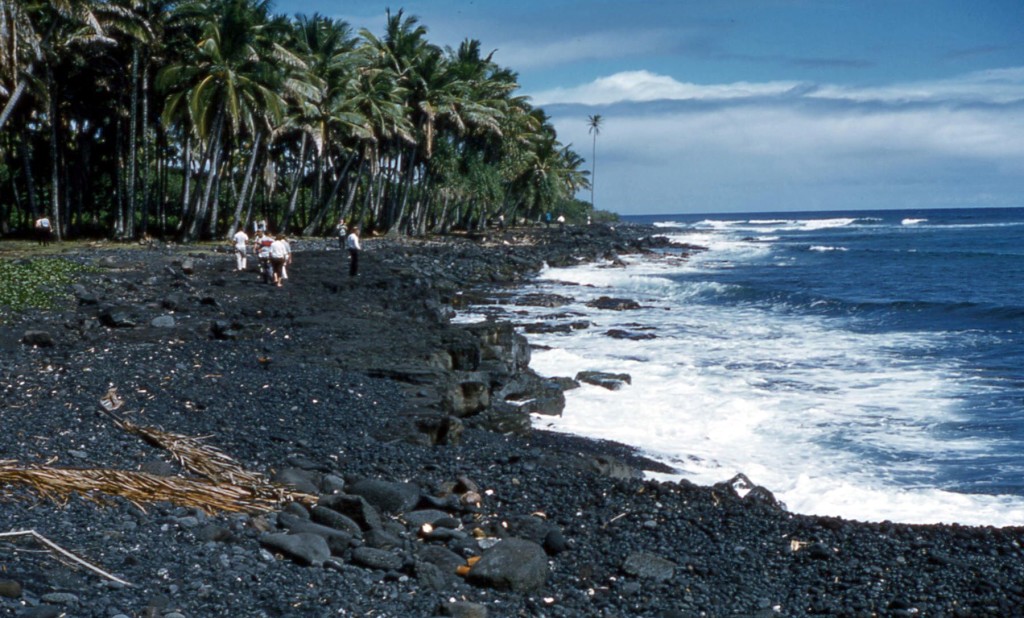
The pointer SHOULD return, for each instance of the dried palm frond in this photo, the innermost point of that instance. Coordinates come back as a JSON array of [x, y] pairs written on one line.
[[140, 487], [196, 456]]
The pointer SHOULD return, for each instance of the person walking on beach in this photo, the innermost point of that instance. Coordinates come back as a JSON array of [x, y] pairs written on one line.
[[261, 247], [43, 230], [279, 255], [342, 232], [353, 246], [241, 240]]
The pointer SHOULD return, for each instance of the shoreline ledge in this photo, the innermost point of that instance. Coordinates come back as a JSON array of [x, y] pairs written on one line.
[[420, 488]]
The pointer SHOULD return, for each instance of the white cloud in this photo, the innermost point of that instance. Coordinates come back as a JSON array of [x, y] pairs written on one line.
[[736, 151], [531, 54], [993, 86], [647, 86]]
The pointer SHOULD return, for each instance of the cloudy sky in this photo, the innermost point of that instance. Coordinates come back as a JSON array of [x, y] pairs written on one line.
[[761, 105]]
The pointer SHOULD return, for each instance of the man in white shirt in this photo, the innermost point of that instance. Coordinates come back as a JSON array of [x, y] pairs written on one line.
[[279, 255], [353, 246], [241, 239]]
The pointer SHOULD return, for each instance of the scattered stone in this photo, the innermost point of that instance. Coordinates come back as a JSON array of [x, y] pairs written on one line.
[[376, 559], [303, 547], [38, 338], [10, 588], [464, 609], [162, 321], [649, 566]]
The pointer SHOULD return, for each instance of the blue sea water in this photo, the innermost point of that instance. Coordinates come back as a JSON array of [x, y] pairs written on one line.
[[866, 364]]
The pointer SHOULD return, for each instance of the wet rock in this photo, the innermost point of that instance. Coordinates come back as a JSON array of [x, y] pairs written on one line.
[[617, 333], [611, 381], [543, 300], [613, 304]]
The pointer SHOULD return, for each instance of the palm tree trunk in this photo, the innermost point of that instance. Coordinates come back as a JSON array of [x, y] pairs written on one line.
[[54, 161], [30, 183], [245, 183], [296, 180], [186, 183], [213, 158], [129, 228], [147, 172], [325, 207]]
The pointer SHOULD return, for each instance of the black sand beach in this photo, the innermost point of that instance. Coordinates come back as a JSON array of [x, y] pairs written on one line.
[[419, 488]]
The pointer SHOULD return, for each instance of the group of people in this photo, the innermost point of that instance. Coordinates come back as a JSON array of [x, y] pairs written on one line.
[[275, 253], [348, 240]]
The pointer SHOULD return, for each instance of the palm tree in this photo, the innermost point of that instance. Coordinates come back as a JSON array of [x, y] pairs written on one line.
[[230, 86], [594, 124]]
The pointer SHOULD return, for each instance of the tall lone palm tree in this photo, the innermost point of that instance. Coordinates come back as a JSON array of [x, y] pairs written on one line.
[[594, 123]]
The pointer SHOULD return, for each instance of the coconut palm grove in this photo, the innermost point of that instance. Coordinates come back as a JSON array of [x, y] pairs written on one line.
[[187, 120]]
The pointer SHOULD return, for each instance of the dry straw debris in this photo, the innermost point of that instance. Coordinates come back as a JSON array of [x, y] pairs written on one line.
[[224, 486]]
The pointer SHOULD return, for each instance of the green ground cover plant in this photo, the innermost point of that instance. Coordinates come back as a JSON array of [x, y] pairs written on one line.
[[36, 284]]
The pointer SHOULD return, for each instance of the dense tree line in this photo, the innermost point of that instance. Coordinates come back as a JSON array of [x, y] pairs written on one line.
[[189, 119]]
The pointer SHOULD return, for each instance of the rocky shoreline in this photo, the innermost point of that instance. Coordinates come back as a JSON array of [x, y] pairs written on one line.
[[426, 491]]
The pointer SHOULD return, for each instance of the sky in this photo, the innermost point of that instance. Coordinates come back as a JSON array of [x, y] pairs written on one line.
[[716, 106]]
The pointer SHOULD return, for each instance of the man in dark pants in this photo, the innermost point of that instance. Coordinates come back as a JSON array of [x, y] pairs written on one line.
[[353, 246]]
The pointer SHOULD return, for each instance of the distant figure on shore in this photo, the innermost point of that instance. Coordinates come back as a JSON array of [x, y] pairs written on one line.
[[43, 230], [241, 240], [261, 247], [352, 243], [280, 255], [501, 222], [342, 232], [561, 222], [547, 219]]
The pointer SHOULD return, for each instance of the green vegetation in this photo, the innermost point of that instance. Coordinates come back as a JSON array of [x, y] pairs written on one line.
[[191, 118], [36, 284]]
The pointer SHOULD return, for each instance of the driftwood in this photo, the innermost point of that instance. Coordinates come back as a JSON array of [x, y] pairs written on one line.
[[63, 552]]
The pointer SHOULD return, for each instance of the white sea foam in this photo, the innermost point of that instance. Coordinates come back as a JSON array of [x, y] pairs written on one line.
[[827, 248], [913, 221], [833, 421]]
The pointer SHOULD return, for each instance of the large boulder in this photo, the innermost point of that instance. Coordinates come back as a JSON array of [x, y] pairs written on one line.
[[387, 496], [513, 564]]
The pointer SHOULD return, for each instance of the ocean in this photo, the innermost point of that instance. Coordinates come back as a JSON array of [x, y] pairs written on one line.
[[862, 364]]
